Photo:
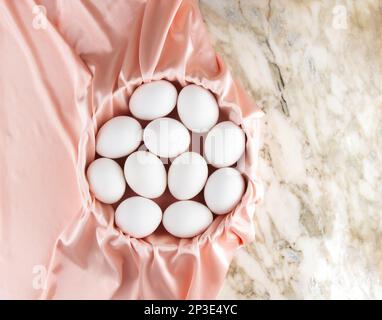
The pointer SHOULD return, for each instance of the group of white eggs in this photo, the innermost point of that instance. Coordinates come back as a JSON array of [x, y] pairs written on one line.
[[168, 138]]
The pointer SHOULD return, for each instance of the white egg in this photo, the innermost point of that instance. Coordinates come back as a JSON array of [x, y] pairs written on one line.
[[186, 219], [145, 174], [118, 137], [166, 137], [138, 217], [224, 189], [187, 175], [106, 180], [197, 108], [224, 144], [153, 100]]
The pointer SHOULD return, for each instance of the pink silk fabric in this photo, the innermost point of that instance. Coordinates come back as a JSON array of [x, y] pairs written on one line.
[[59, 82]]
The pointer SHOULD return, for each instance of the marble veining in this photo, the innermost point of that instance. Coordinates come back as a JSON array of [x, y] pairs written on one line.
[[315, 67]]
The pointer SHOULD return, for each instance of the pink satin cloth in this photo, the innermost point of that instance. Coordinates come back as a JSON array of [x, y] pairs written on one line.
[[59, 82]]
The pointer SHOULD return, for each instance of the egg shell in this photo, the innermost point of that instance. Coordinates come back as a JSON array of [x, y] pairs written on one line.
[[118, 137], [166, 137], [197, 108], [186, 219], [138, 217], [187, 175], [106, 180], [224, 144], [153, 100], [224, 190], [145, 174]]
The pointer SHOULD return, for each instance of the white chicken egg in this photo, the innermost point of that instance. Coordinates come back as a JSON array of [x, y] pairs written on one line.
[[187, 175], [223, 190], [153, 100], [186, 219], [166, 137], [118, 137], [224, 144], [197, 108], [138, 217], [106, 180], [145, 174]]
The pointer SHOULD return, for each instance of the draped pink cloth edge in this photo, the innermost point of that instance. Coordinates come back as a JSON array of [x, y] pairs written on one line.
[[58, 85]]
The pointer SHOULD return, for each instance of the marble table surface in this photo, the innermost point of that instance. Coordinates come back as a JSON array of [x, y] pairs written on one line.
[[316, 69]]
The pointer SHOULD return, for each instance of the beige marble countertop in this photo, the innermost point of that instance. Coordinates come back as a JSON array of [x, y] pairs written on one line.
[[316, 69]]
